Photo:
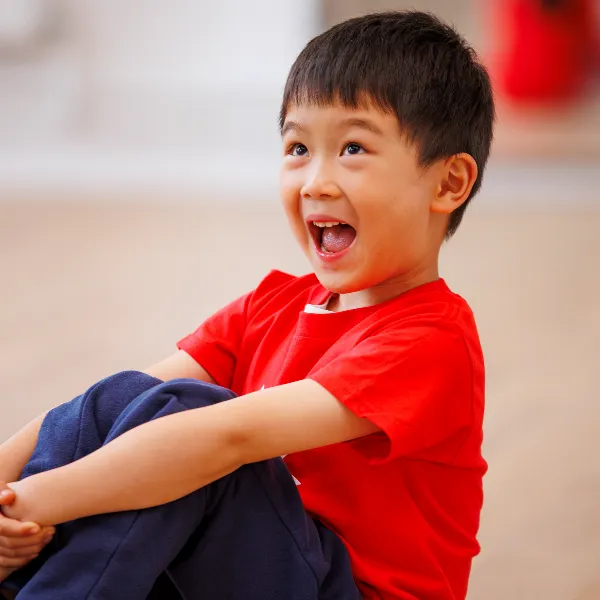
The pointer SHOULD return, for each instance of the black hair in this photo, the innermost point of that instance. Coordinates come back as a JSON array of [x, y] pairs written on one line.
[[407, 63]]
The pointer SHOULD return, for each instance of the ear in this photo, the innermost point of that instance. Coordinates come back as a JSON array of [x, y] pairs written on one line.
[[457, 177]]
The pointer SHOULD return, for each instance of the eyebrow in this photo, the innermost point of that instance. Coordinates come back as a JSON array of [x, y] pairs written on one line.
[[346, 123], [361, 124], [292, 126]]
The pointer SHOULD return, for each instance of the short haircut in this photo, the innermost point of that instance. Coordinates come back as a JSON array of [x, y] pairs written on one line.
[[410, 64]]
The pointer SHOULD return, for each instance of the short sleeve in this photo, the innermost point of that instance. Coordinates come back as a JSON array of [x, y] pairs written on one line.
[[215, 344], [415, 383]]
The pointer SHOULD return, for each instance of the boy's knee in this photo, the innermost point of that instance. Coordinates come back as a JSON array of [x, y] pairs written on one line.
[[194, 393]]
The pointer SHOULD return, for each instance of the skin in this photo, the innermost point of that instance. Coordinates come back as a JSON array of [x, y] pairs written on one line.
[[351, 164], [355, 165]]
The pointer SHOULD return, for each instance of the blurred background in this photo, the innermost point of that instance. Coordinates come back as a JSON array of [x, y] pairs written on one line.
[[138, 194]]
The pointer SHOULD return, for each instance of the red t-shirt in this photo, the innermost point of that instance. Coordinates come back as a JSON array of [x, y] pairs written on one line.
[[406, 502]]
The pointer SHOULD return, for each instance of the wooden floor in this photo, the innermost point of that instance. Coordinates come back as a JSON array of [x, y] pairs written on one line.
[[87, 290]]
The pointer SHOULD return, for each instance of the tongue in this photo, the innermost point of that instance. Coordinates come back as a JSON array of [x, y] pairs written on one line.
[[337, 238]]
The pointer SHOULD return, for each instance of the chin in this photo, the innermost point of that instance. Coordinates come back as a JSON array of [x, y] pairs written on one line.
[[340, 282]]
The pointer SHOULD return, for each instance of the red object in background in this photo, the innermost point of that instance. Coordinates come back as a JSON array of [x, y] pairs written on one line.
[[548, 48]]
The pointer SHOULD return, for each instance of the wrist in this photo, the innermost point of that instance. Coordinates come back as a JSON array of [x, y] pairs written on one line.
[[17, 509], [26, 507]]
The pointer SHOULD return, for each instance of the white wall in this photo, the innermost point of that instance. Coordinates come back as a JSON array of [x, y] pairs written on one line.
[[150, 95]]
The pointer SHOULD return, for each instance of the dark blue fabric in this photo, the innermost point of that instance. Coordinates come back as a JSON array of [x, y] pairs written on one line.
[[243, 537]]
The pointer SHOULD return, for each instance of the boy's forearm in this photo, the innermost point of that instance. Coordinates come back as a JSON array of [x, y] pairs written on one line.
[[17, 450], [170, 457], [150, 465]]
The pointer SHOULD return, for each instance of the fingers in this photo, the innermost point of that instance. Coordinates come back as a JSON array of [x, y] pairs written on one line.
[[39, 541], [15, 563], [20, 543], [16, 552], [12, 528], [25, 552]]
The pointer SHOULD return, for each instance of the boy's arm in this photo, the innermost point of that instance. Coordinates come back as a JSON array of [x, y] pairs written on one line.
[[178, 365], [20, 541], [17, 450], [171, 457]]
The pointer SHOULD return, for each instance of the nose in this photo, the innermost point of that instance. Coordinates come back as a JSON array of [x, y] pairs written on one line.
[[319, 183]]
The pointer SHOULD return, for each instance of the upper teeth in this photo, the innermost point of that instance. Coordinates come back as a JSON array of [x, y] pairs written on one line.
[[326, 223]]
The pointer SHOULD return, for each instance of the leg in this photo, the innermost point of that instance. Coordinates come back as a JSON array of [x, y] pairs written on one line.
[[73, 430], [69, 432], [246, 536], [258, 543]]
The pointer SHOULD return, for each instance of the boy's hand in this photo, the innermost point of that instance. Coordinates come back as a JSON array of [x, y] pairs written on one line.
[[20, 542]]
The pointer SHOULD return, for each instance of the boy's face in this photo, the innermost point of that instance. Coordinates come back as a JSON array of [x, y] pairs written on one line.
[[352, 167]]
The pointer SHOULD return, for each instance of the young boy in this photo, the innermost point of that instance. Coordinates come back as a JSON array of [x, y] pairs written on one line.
[[366, 375]]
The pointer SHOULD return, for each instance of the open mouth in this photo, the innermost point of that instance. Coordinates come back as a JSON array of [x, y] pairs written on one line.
[[331, 237]]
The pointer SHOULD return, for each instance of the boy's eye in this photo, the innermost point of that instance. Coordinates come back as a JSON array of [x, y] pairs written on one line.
[[298, 150], [353, 148]]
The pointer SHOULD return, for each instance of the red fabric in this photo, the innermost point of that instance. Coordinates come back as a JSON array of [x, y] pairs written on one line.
[[406, 501]]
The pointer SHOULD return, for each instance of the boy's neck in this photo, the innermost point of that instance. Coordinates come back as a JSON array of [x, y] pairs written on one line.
[[382, 292]]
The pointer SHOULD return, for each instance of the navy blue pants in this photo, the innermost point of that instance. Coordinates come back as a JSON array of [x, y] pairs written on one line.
[[243, 537]]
